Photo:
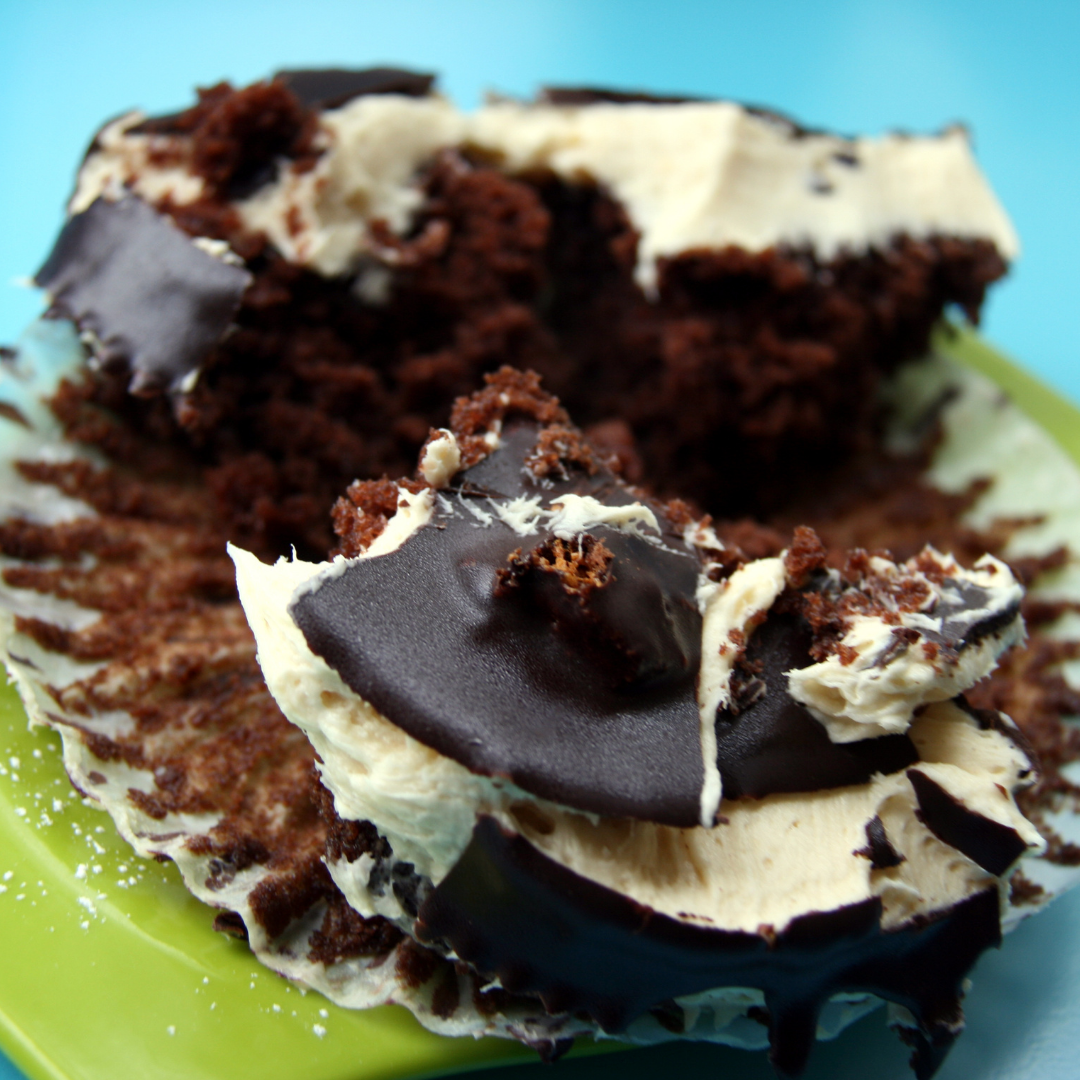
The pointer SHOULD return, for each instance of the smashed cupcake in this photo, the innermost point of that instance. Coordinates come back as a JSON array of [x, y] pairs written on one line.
[[601, 760], [521, 676]]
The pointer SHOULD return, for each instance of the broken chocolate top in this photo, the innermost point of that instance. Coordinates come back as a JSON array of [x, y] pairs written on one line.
[[147, 293], [330, 88], [543, 626]]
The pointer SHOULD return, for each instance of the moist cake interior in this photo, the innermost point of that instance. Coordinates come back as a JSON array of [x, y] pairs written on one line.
[[748, 377]]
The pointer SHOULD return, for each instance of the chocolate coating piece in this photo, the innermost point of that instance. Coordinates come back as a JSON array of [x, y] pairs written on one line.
[[514, 913], [968, 616], [330, 88], [597, 95], [152, 298], [570, 669], [994, 846], [879, 849], [774, 744], [582, 695]]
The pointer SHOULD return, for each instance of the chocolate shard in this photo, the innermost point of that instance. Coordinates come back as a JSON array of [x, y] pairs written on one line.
[[146, 292], [968, 615], [990, 844], [774, 744], [598, 95], [330, 88], [994, 720], [879, 849], [514, 913]]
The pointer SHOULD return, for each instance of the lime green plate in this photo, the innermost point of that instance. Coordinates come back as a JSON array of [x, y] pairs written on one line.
[[109, 969]]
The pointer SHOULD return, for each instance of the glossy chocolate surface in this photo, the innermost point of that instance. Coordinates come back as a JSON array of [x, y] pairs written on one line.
[[512, 912], [879, 849], [467, 640], [330, 88], [994, 846], [152, 299]]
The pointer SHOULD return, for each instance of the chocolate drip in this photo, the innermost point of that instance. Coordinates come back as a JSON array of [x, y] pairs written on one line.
[[330, 88], [994, 846], [514, 913], [147, 293]]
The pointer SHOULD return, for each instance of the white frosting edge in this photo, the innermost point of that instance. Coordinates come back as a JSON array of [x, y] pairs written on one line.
[[691, 176]]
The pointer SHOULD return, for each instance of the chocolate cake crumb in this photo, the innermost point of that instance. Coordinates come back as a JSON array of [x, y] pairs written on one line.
[[345, 934], [1023, 891], [506, 393], [346, 839], [417, 965], [237, 135], [361, 515], [560, 447], [805, 555], [582, 565]]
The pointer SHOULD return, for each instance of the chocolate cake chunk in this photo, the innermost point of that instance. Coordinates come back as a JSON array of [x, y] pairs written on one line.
[[402, 249]]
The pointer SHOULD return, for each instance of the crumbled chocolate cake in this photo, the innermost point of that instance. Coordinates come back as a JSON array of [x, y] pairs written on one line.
[[755, 357]]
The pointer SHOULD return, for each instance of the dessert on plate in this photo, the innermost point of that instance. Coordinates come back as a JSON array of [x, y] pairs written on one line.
[[713, 718]]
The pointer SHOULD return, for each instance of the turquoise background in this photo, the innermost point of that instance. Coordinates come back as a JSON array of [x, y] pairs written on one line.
[[1011, 71]]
